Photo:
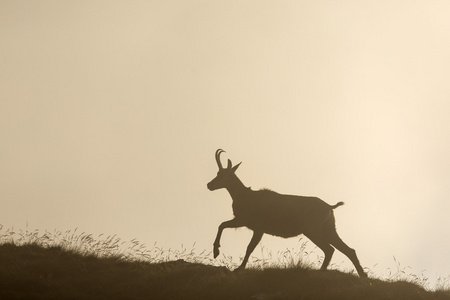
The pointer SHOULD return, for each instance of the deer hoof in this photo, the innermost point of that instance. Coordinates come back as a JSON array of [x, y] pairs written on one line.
[[363, 275], [216, 252], [239, 269]]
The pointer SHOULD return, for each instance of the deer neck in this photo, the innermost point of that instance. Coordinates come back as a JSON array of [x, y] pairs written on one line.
[[237, 189]]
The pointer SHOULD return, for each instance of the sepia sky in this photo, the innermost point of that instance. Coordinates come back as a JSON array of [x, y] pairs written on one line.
[[111, 111]]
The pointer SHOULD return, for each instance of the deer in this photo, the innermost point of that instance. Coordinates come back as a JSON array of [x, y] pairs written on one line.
[[268, 212]]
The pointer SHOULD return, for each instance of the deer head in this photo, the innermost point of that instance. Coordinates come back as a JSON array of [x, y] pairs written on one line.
[[223, 175]]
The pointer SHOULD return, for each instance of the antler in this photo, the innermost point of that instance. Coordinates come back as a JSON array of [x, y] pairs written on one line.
[[218, 152]]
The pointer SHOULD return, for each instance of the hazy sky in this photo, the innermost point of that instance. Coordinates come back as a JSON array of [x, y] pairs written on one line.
[[111, 111]]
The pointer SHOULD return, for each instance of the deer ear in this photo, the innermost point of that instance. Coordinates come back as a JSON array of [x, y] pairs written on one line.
[[236, 167], [229, 164]]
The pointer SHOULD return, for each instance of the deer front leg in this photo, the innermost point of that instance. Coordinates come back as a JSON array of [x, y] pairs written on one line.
[[234, 223], [253, 242]]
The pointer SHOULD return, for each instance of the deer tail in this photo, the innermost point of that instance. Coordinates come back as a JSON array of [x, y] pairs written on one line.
[[337, 205]]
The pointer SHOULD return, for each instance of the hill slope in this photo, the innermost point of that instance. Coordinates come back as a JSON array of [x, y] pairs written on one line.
[[34, 272]]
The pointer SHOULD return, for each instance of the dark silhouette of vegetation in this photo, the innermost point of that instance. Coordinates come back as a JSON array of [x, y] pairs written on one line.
[[266, 211], [32, 271], [72, 265]]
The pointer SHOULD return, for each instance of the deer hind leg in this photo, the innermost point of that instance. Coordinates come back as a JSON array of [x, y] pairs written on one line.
[[251, 246], [326, 248], [349, 252]]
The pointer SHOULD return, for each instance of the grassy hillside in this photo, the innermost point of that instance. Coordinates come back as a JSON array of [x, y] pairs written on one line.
[[36, 271]]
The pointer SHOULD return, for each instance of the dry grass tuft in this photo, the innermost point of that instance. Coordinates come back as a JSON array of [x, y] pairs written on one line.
[[77, 265]]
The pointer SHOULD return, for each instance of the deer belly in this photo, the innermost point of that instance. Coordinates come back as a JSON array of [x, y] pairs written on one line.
[[283, 233], [283, 228]]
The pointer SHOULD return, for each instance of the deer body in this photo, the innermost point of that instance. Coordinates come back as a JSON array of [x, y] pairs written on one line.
[[266, 211], [281, 215]]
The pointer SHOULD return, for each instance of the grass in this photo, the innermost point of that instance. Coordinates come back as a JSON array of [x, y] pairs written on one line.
[[71, 265]]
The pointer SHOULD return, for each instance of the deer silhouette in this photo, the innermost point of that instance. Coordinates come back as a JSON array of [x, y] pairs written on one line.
[[265, 211]]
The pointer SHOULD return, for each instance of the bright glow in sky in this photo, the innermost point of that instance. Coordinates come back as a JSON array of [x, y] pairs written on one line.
[[110, 114]]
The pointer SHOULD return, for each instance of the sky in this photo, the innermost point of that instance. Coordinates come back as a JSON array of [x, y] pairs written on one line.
[[111, 112]]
